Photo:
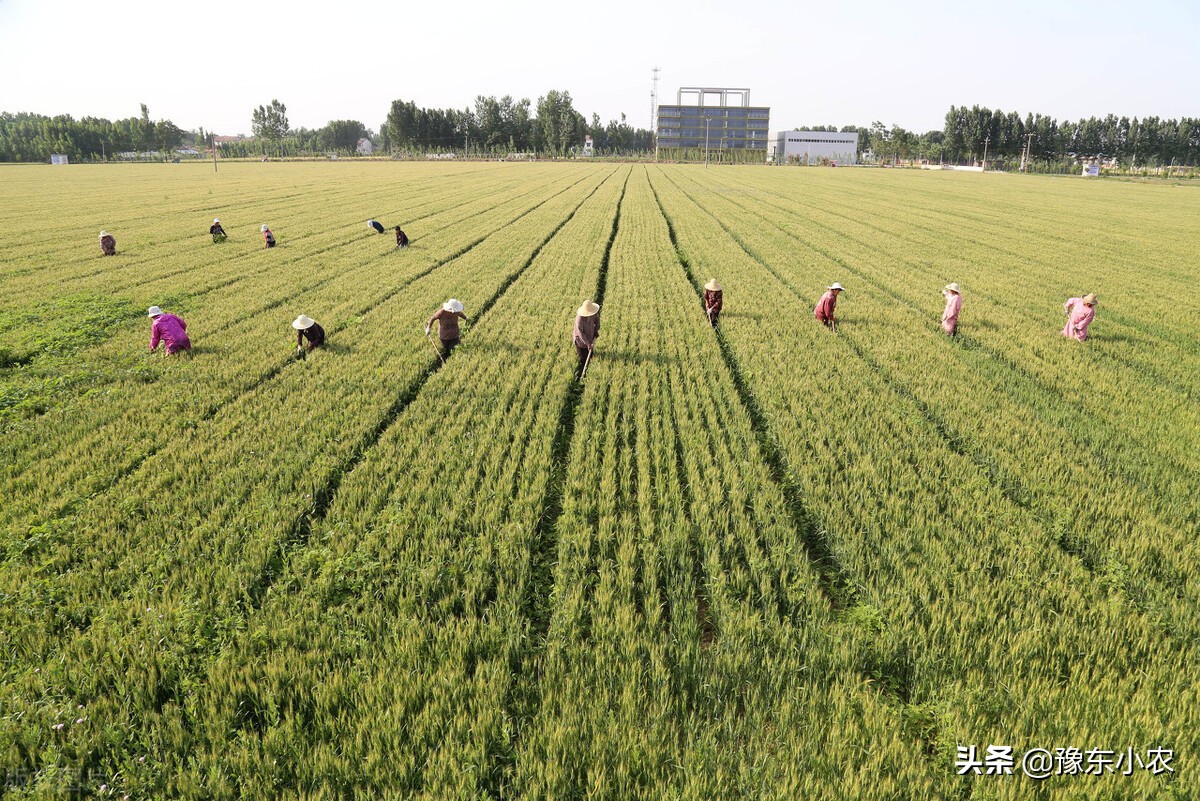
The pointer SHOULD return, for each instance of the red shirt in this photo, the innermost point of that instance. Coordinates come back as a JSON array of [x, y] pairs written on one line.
[[824, 310]]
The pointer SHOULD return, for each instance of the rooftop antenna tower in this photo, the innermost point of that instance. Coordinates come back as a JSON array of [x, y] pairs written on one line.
[[654, 108], [654, 98]]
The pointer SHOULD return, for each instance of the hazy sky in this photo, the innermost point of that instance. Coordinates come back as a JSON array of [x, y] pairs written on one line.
[[209, 64]]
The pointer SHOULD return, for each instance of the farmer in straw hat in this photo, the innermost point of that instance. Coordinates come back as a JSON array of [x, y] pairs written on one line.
[[447, 319], [825, 306], [1080, 312], [953, 306], [218, 233], [268, 237], [375, 225], [587, 328], [308, 328], [168, 329], [713, 300], [108, 245]]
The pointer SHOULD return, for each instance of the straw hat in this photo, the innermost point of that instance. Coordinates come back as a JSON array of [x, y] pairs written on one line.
[[588, 309], [103, 234], [837, 286], [712, 285], [452, 305], [215, 221], [953, 287], [302, 322], [264, 228], [153, 311], [1089, 299]]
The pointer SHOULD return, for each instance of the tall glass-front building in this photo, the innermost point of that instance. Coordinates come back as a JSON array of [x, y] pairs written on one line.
[[716, 120]]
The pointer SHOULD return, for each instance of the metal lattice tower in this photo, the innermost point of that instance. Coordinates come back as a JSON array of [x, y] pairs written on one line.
[[654, 98]]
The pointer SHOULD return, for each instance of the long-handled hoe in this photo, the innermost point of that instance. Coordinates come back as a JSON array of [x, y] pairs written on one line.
[[435, 349], [586, 362]]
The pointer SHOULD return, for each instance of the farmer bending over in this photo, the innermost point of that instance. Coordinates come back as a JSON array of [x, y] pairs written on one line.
[[168, 329], [268, 237], [1080, 313], [308, 328], [401, 238], [108, 245]]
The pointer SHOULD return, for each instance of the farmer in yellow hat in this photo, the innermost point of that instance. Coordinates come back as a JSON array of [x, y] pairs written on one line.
[[1080, 313], [714, 296], [587, 329]]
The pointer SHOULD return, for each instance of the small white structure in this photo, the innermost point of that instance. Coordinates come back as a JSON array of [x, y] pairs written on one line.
[[812, 147], [1091, 170], [365, 146], [59, 158], [588, 148]]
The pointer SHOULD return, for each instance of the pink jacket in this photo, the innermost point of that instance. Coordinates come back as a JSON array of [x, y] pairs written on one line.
[[953, 307], [1079, 317], [171, 331]]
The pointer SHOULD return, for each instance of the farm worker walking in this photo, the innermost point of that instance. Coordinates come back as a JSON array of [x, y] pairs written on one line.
[[953, 306], [168, 329], [218, 233], [1080, 312], [268, 237], [376, 225], [825, 306], [308, 328], [587, 329], [714, 297], [401, 238], [447, 319], [108, 245]]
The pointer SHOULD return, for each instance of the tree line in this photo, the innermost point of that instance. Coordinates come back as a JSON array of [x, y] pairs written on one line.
[[1150, 141], [34, 137], [1004, 136], [505, 125], [554, 127]]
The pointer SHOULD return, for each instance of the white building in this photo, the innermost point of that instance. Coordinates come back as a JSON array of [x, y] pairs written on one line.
[[365, 146], [811, 147]]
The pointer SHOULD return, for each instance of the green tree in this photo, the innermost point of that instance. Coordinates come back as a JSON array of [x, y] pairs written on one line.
[[270, 122]]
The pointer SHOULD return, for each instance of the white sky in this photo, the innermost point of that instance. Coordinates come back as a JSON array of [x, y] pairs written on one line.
[[811, 62]]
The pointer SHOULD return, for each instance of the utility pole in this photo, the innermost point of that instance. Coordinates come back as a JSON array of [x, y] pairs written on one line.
[[1025, 152], [986, 140], [212, 139]]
